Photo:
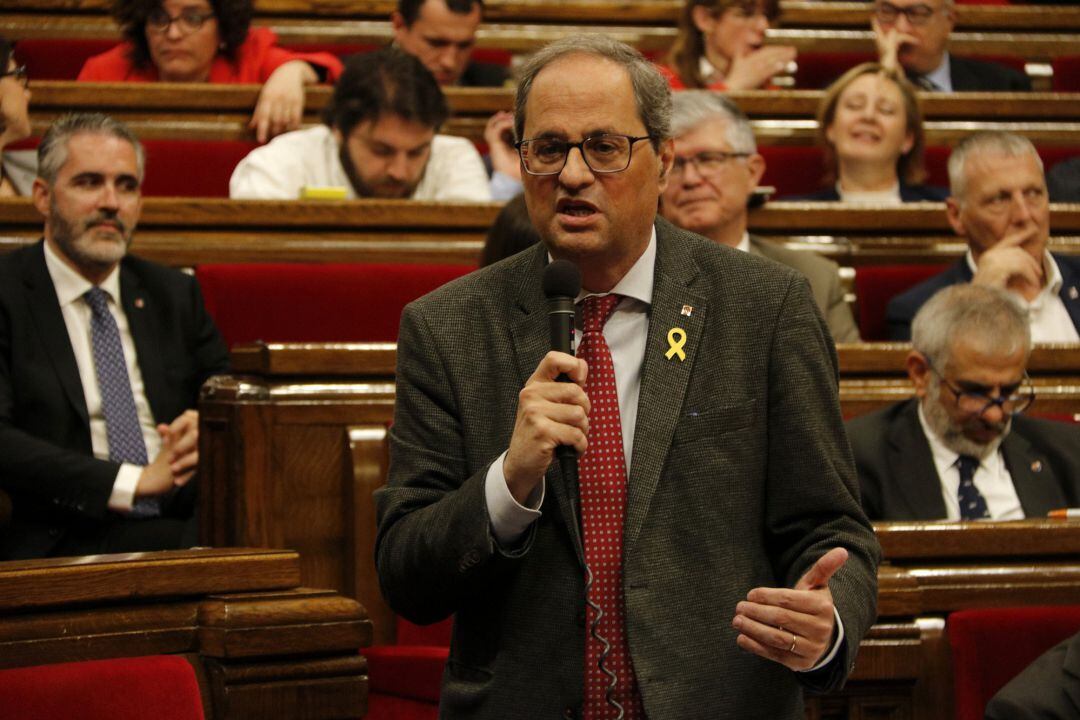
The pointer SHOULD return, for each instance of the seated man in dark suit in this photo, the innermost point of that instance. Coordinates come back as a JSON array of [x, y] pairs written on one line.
[[101, 359], [1048, 689], [442, 34], [915, 34], [716, 169], [999, 206], [960, 449]]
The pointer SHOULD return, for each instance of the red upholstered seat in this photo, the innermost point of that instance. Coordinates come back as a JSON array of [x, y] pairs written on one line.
[[792, 170], [990, 647], [405, 678], [876, 285], [818, 70], [1066, 73], [162, 687], [56, 58], [192, 168], [316, 303]]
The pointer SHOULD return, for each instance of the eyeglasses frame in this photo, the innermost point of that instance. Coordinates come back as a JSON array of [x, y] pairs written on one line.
[[20, 74], [184, 29], [580, 145], [724, 155], [1000, 401]]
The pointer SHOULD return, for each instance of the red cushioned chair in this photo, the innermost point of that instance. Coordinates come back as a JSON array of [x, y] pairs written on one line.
[[405, 678], [990, 647], [56, 58], [817, 70], [163, 687], [192, 168], [295, 302], [876, 285], [792, 170], [1066, 73]]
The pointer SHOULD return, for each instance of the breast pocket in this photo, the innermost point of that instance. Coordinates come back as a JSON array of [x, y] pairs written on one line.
[[713, 422]]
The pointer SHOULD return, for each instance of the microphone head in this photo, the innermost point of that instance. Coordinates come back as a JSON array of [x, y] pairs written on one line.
[[561, 279]]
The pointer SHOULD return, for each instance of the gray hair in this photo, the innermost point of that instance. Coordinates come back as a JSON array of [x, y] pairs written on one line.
[[52, 151], [994, 142], [691, 108], [651, 91], [988, 317]]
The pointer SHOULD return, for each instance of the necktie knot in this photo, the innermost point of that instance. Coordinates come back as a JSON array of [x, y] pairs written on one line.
[[596, 310], [97, 299], [967, 465], [925, 83]]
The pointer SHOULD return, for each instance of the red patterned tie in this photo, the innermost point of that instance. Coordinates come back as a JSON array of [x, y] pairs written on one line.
[[602, 477]]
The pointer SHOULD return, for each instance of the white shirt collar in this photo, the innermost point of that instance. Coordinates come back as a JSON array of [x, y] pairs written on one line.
[[883, 197], [941, 76], [637, 283], [744, 243], [71, 286]]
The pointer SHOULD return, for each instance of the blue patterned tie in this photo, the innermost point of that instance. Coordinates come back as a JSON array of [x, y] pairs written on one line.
[[972, 503], [126, 444]]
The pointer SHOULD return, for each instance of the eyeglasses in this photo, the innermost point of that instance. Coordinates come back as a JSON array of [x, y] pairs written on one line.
[[606, 153], [188, 21], [1012, 399], [19, 74], [709, 162], [917, 15]]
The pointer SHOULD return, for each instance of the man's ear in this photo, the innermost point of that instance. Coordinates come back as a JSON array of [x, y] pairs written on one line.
[[755, 164], [918, 369], [952, 213], [667, 158], [40, 194], [398, 24]]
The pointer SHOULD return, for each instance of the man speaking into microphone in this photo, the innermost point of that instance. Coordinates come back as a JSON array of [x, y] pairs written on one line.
[[710, 559]]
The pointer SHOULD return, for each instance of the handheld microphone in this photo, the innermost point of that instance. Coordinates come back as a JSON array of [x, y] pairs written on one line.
[[562, 283]]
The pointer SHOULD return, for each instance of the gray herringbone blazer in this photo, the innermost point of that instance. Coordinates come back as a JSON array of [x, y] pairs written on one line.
[[741, 477]]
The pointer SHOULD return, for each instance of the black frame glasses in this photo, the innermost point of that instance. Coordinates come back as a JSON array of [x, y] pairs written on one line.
[[1020, 401], [188, 21], [917, 15], [19, 74], [597, 157], [705, 163]]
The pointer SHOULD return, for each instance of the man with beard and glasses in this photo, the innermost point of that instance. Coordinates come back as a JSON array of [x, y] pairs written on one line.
[[961, 450], [101, 359], [379, 140]]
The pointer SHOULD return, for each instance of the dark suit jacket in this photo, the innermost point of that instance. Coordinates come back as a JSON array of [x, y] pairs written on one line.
[[824, 277], [898, 479], [740, 477], [46, 459], [978, 75], [908, 193], [481, 74], [901, 309], [1048, 689]]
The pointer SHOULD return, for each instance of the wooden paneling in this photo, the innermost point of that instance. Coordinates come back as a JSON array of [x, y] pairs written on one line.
[[262, 646]]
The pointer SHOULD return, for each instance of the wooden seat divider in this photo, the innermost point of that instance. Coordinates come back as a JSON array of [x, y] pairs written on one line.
[[261, 645]]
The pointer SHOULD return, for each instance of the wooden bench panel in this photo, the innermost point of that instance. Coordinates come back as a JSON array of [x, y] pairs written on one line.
[[262, 645]]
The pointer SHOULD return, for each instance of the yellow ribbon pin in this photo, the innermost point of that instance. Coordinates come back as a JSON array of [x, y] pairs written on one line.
[[676, 338]]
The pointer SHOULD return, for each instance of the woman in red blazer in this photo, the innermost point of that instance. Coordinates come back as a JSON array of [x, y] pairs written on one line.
[[212, 41]]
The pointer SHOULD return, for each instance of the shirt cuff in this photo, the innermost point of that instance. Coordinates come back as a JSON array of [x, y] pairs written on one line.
[[836, 645], [509, 518], [504, 187], [122, 498]]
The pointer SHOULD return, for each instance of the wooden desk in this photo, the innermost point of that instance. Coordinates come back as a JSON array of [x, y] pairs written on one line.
[[262, 645]]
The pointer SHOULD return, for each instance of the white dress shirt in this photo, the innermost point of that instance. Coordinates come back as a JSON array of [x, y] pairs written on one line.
[[70, 287], [310, 157], [941, 76], [870, 197], [626, 333], [992, 478], [1047, 314]]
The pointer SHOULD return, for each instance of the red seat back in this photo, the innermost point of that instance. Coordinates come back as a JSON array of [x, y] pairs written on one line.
[[876, 285], [1066, 73], [792, 170], [316, 303], [192, 168], [162, 687], [990, 647], [56, 58]]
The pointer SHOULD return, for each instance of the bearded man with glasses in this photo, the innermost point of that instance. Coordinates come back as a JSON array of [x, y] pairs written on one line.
[[713, 178], [961, 449], [915, 35]]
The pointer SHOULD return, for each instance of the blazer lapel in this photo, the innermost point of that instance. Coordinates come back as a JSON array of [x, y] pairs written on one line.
[[1070, 290], [664, 373], [45, 310], [1032, 476], [142, 321], [530, 341], [917, 479]]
